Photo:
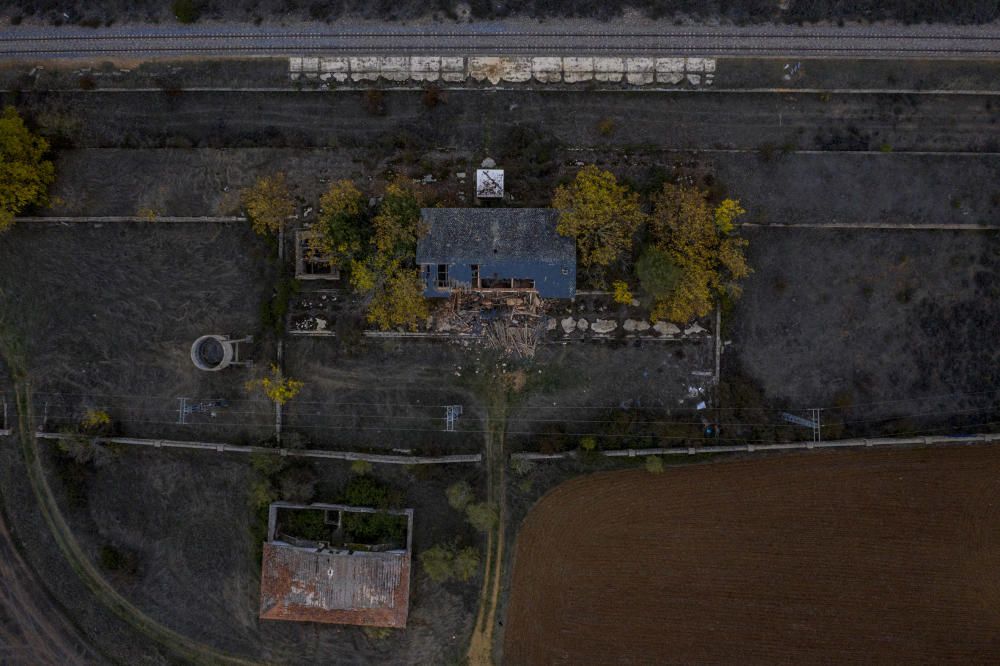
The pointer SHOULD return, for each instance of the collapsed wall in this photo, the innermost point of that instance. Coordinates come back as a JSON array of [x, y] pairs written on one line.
[[507, 69]]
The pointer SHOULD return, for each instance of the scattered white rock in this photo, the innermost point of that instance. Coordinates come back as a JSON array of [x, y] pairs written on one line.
[[320, 324], [666, 328], [604, 326], [583, 324], [568, 324], [551, 324], [629, 325], [693, 329]]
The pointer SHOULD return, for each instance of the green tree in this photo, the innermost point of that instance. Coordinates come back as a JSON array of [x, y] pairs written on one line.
[[482, 515], [654, 464], [712, 261], [459, 495], [268, 204], [438, 563], [387, 278], [658, 275], [343, 226], [466, 563], [25, 174], [600, 214]]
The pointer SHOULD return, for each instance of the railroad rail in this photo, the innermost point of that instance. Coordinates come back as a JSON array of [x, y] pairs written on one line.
[[496, 38]]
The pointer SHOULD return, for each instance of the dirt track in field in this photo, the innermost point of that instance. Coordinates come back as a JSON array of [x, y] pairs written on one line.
[[885, 557]]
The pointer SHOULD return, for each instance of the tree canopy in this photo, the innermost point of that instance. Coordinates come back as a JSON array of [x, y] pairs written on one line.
[[268, 204], [600, 214], [25, 174], [343, 227], [388, 276], [699, 240]]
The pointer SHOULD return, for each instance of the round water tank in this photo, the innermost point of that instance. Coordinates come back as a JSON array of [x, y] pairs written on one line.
[[212, 353]]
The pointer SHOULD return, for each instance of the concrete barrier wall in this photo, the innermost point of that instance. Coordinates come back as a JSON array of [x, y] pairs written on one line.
[[292, 453], [790, 446], [504, 69]]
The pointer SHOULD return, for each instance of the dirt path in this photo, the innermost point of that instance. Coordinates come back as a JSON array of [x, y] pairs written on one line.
[[36, 631], [481, 644]]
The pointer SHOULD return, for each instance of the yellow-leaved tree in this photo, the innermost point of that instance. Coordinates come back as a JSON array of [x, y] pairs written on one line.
[[276, 386], [343, 227], [699, 240], [388, 278], [600, 214], [268, 203], [25, 173]]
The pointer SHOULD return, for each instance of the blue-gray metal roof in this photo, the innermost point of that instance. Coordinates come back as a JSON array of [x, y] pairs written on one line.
[[479, 235]]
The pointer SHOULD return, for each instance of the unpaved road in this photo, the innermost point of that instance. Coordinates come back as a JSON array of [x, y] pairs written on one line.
[[33, 630]]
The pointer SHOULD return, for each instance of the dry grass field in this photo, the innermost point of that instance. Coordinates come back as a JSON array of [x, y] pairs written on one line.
[[846, 557]]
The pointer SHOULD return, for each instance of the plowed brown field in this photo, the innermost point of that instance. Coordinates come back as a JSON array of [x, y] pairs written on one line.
[[887, 556]]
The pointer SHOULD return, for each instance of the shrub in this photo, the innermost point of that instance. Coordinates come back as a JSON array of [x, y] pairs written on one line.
[[95, 421], [268, 204], [374, 102], [588, 443], [305, 524], [654, 464], [187, 11], [466, 563], [521, 466], [113, 559], [432, 96], [445, 561], [623, 294], [297, 484], [606, 127], [459, 495], [438, 563], [276, 386], [361, 467], [482, 515]]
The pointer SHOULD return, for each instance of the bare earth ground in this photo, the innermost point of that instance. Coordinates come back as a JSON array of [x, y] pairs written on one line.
[[474, 119], [887, 556], [875, 324], [108, 314]]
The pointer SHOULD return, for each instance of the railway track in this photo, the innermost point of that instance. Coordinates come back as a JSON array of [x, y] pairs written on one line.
[[491, 38]]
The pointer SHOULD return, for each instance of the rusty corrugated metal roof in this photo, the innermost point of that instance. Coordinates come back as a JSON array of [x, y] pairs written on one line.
[[335, 587]]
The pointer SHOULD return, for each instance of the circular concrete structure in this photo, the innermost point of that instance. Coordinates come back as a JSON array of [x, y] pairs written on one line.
[[212, 353]]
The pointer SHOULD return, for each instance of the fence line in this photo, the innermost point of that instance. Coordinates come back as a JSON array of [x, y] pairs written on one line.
[[291, 453], [758, 448], [130, 218]]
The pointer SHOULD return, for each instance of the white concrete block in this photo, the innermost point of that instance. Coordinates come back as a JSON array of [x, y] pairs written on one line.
[[673, 78], [666, 65], [453, 69], [547, 70], [364, 68], [694, 79], [709, 64], [695, 65], [295, 65], [394, 68], [485, 69], [310, 65], [336, 68], [639, 71], [609, 69], [576, 70], [515, 70], [425, 68]]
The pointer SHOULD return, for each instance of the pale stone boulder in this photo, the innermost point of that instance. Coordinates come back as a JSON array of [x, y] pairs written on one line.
[[568, 325], [364, 69], [604, 326], [583, 324], [336, 68], [666, 328], [694, 329], [485, 69]]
